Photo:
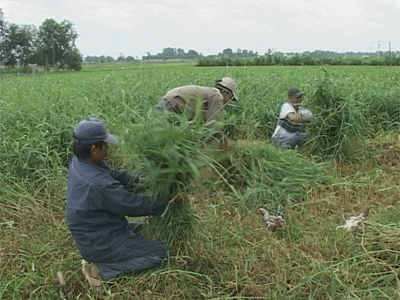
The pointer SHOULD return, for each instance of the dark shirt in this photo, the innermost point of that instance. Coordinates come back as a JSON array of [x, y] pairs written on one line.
[[98, 200]]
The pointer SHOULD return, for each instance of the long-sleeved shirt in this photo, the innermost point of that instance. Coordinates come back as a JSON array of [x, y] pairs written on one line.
[[97, 202], [189, 97]]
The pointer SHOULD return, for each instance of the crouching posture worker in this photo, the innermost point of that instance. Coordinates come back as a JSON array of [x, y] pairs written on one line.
[[98, 199], [290, 130], [210, 101]]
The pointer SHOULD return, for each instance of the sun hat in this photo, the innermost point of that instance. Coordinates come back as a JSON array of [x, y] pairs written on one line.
[[92, 130], [295, 92], [228, 84]]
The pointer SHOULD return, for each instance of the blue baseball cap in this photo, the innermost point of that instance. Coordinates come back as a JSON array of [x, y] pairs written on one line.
[[92, 130]]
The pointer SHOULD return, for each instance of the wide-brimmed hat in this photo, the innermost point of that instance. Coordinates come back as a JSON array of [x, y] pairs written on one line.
[[93, 130], [228, 84]]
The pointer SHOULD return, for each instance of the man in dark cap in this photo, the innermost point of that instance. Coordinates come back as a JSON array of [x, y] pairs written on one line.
[[290, 130], [98, 199]]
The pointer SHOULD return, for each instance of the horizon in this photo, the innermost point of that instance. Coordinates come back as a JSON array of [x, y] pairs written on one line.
[[259, 54]]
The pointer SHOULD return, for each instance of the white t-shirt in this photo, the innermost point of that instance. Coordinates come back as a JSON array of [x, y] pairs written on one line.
[[285, 110]]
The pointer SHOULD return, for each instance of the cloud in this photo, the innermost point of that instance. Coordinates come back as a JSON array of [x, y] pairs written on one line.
[[383, 14], [209, 26]]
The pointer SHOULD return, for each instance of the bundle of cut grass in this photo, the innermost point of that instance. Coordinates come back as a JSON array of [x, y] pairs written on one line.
[[270, 176], [175, 226], [167, 151], [339, 124]]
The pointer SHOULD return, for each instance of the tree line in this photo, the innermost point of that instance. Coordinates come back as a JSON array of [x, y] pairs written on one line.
[[108, 59], [50, 45], [167, 54], [177, 53], [173, 53], [271, 60], [268, 58]]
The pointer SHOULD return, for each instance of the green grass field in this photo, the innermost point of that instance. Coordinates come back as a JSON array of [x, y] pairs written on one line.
[[228, 253]]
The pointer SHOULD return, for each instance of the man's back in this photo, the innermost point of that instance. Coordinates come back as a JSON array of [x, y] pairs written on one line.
[[188, 98], [88, 217]]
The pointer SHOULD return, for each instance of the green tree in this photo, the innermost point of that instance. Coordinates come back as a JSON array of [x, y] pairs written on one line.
[[74, 60], [227, 52], [17, 44], [55, 42], [169, 53], [192, 54], [109, 59], [2, 24], [180, 53]]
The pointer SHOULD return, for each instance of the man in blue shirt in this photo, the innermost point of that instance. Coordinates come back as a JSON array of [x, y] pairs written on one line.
[[98, 199]]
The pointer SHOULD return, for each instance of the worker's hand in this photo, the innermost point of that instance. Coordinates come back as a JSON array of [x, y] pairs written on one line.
[[177, 199]]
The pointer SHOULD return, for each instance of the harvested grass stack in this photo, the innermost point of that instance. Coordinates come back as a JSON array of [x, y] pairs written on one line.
[[175, 226], [266, 175], [339, 125], [167, 151]]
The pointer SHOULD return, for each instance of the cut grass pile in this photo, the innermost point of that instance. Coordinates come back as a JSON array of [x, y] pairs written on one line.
[[262, 174], [167, 151]]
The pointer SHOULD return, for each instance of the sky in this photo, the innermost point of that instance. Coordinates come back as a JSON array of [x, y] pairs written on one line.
[[134, 28]]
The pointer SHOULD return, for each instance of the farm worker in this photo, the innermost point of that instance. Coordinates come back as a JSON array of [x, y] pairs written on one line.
[[186, 99], [290, 131], [98, 199]]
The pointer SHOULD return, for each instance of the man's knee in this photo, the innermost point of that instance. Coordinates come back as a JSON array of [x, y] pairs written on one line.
[[134, 265]]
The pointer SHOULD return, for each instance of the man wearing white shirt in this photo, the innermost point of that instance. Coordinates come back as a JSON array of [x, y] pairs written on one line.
[[290, 131]]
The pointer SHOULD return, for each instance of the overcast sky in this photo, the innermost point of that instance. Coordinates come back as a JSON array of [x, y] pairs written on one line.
[[114, 27]]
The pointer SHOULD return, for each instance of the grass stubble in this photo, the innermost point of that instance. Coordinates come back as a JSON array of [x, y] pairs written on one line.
[[229, 254]]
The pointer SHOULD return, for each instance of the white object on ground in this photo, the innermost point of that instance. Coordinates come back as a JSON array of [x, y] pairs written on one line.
[[273, 222], [355, 223]]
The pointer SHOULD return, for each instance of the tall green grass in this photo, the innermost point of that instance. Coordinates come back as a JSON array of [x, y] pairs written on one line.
[[339, 124], [223, 250]]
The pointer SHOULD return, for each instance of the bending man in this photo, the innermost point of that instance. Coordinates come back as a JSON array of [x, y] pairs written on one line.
[[189, 99]]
